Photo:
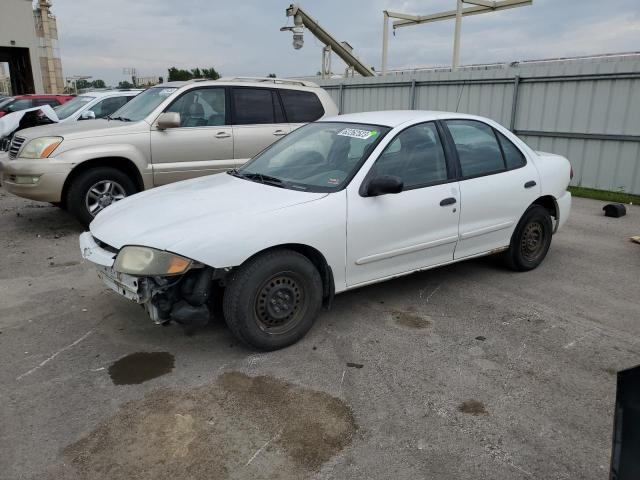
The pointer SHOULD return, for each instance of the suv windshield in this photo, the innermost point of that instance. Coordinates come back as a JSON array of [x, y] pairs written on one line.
[[143, 104], [72, 106], [319, 157]]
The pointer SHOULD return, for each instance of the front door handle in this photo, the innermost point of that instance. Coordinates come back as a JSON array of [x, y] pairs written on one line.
[[279, 133], [530, 184], [447, 201], [223, 135]]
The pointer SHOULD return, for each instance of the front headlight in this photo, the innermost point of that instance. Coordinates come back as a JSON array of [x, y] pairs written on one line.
[[149, 262], [40, 147]]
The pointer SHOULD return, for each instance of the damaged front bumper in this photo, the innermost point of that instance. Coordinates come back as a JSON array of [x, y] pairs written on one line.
[[183, 298]]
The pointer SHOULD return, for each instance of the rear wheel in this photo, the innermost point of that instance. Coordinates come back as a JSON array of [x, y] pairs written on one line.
[[530, 240], [94, 190], [273, 300]]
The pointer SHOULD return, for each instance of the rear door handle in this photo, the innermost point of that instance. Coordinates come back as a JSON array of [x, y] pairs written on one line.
[[279, 133], [223, 135], [530, 184], [447, 201]]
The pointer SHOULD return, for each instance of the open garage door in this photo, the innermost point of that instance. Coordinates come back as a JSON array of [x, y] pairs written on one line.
[[20, 69]]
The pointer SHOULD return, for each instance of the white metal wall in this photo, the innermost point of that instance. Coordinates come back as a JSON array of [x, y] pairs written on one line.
[[585, 109]]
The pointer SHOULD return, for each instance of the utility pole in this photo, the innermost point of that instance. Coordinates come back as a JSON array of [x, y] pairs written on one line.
[[478, 7], [456, 37]]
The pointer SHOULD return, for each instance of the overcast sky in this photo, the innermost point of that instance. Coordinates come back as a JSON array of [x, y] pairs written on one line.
[[238, 37]]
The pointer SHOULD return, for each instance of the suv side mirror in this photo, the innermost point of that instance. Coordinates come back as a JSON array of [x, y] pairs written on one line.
[[168, 120], [88, 115], [383, 185]]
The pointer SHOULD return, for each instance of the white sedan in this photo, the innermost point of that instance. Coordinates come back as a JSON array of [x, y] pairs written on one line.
[[335, 205]]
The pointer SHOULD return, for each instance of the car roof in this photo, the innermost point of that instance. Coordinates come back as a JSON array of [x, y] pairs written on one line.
[[282, 83], [394, 118], [44, 95], [106, 93]]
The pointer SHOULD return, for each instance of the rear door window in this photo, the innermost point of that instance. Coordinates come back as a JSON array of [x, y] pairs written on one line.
[[253, 106], [477, 147], [513, 157], [301, 106]]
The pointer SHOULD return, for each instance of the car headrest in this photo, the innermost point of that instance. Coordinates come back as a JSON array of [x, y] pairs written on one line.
[[196, 110]]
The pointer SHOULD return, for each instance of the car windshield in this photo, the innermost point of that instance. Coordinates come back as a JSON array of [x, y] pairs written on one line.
[[142, 104], [16, 105], [319, 157], [5, 101], [72, 106]]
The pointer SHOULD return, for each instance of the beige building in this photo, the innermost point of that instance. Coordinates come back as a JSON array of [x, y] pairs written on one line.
[[29, 44], [5, 81], [49, 53]]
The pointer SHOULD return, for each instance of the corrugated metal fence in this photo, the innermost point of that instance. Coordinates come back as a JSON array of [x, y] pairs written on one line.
[[585, 109]]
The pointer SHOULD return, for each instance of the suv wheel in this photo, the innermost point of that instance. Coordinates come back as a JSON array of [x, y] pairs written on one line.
[[94, 190], [272, 300]]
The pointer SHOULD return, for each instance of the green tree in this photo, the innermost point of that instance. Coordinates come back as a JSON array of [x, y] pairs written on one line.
[[177, 74], [271, 75], [80, 84], [210, 73], [125, 84], [98, 84]]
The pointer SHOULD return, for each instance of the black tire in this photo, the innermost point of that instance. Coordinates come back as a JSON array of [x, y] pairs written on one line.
[[77, 195], [530, 240], [273, 299]]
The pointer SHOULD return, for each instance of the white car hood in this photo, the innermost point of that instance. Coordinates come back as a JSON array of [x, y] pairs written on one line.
[[182, 215], [11, 121]]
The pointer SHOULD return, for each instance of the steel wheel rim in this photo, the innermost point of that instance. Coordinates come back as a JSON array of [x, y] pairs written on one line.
[[533, 241], [102, 194], [280, 303]]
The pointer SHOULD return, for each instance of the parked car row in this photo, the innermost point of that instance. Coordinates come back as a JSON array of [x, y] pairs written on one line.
[[170, 132], [286, 215]]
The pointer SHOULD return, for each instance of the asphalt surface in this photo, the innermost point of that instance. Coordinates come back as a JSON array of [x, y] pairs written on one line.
[[465, 372]]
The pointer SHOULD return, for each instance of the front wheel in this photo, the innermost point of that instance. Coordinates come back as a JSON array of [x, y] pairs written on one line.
[[530, 240], [94, 190], [272, 301]]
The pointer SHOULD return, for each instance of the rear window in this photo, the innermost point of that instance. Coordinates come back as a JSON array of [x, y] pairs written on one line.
[[301, 106]]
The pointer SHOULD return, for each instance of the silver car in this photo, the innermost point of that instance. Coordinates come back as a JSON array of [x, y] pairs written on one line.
[[170, 132]]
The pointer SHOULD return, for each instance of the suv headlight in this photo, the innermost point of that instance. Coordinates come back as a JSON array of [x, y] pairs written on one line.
[[149, 262], [40, 147]]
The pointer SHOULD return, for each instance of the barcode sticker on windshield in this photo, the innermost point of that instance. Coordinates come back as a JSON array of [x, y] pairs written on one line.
[[357, 133]]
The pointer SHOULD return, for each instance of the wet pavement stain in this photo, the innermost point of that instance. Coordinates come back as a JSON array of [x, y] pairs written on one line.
[[140, 366], [409, 319], [473, 407], [261, 426]]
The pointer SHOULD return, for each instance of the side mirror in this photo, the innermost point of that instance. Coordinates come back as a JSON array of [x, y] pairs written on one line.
[[168, 120], [88, 115], [383, 185]]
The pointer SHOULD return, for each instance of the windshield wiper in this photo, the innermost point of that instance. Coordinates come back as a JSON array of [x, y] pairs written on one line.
[[122, 119], [261, 177]]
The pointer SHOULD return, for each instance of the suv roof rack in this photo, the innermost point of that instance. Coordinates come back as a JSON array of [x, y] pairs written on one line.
[[281, 81]]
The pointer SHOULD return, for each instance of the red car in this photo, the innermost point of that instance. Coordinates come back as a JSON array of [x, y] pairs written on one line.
[[21, 102]]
